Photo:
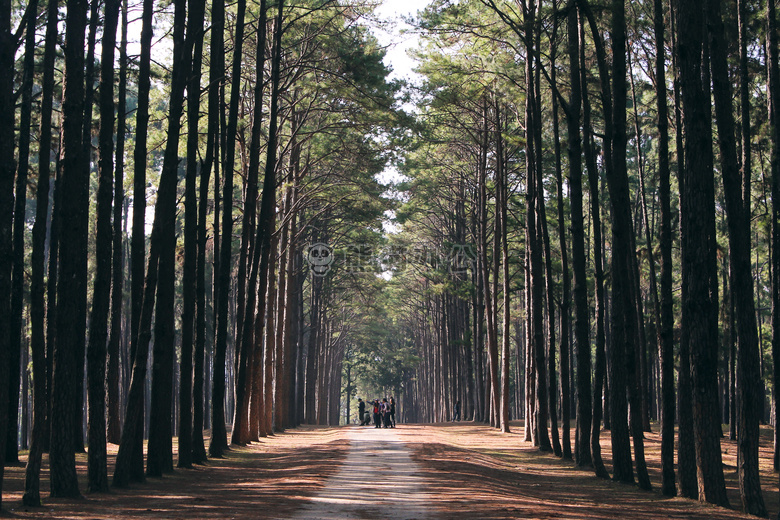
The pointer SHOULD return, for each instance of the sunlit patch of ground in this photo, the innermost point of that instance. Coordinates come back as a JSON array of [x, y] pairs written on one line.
[[477, 472], [267, 479], [468, 470]]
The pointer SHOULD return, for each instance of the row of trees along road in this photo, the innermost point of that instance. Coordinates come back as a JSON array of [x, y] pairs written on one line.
[[163, 271], [617, 232], [623, 229]]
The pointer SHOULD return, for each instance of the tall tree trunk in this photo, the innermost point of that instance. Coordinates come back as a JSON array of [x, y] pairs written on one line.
[[552, 391], [292, 331], [312, 351], [97, 472], [686, 463], [600, 366], [738, 216], [83, 242], [666, 315], [64, 482], [280, 415], [501, 229], [138, 238], [266, 224], [697, 221], [243, 432], [114, 430], [774, 117], [31, 495], [20, 204], [7, 52], [565, 277], [216, 78], [492, 391], [269, 343], [582, 452], [624, 330], [219, 431], [159, 458], [189, 270], [645, 387]]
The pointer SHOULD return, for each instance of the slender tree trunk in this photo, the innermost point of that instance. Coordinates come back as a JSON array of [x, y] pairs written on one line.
[[774, 117], [64, 482], [312, 350], [7, 52], [492, 348], [97, 471], [159, 458], [582, 452], [82, 240], [20, 204], [269, 343], [686, 462], [281, 316], [600, 366], [565, 277], [644, 386], [216, 73], [666, 315], [138, 238], [243, 432], [219, 431], [37, 286], [189, 271], [738, 216], [552, 381], [697, 222], [114, 430], [501, 230]]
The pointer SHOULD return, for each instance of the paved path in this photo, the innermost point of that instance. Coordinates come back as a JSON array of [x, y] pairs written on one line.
[[378, 480]]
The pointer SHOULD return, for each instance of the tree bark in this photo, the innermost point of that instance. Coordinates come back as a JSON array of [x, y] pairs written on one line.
[[7, 52], [565, 276], [74, 176], [697, 226], [138, 239], [243, 431], [219, 431], [159, 458], [501, 230], [213, 134], [195, 48], [582, 452], [31, 495], [97, 471], [600, 365], [114, 430], [738, 216], [774, 118], [666, 315], [20, 204]]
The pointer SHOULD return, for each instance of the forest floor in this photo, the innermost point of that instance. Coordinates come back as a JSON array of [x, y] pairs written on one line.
[[442, 471]]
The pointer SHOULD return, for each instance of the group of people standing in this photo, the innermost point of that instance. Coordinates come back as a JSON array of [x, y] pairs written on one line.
[[383, 413]]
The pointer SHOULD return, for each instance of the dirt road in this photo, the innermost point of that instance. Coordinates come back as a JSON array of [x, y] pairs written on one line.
[[442, 471], [377, 480]]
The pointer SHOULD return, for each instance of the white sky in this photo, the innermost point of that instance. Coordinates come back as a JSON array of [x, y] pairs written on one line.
[[398, 43], [393, 11]]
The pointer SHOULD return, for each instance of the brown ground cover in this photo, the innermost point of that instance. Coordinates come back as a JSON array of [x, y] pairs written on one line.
[[267, 479], [472, 471], [494, 475]]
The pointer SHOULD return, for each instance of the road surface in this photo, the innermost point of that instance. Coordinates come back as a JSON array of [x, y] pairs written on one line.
[[378, 480]]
